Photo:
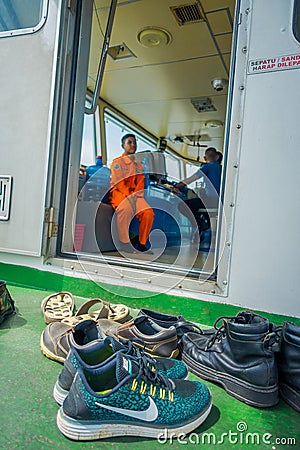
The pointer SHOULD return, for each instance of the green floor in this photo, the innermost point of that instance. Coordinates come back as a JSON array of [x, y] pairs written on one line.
[[28, 410]]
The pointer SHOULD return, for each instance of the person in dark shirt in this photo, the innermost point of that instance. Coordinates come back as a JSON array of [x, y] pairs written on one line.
[[220, 157], [208, 196]]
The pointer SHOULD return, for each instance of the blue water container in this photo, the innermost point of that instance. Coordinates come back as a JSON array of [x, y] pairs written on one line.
[[93, 169], [98, 182]]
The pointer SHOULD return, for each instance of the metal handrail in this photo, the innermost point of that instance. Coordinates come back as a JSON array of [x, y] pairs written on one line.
[[94, 103]]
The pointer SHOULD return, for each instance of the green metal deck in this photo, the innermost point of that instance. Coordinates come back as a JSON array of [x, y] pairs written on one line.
[[27, 377]]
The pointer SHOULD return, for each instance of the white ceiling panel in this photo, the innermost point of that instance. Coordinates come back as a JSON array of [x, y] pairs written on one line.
[[155, 87]]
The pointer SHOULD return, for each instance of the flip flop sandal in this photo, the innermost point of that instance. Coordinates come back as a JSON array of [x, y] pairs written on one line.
[[56, 307], [117, 313]]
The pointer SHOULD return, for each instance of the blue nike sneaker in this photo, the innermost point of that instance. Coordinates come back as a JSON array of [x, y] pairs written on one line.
[[126, 398], [94, 354]]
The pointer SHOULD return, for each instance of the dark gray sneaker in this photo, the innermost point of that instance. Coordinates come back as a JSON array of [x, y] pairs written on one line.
[[55, 339], [156, 340], [181, 325], [94, 355]]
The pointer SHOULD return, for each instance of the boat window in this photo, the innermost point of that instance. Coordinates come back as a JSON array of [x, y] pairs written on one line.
[[296, 22], [114, 130], [173, 167], [190, 170], [22, 16], [89, 149]]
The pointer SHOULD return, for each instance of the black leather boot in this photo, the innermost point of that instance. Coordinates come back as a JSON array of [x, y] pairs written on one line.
[[288, 361], [239, 357], [6, 302]]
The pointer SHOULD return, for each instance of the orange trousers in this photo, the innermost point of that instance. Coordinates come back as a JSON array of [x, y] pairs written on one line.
[[125, 214]]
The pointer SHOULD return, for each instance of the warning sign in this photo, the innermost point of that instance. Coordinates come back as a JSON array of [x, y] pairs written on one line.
[[274, 64]]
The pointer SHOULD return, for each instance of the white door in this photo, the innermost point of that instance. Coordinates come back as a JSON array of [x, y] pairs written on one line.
[[28, 54]]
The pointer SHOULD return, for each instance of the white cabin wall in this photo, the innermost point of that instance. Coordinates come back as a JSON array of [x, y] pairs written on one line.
[[25, 118], [265, 269]]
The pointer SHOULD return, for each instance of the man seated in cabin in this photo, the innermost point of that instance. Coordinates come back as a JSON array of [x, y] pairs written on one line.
[[127, 196], [220, 157], [209, 197]]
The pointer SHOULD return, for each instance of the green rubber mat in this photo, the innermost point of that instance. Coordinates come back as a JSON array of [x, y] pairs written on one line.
[[28, 410]]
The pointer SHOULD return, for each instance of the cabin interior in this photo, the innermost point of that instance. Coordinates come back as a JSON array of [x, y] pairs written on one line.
[[165, 77]]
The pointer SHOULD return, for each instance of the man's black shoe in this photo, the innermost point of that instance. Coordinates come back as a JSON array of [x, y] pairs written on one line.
[[181, 325], [142, 248], [288, 361], [135, 240], [239, 356]]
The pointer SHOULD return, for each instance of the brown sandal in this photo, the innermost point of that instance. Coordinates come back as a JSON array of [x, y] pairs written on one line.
[[117, 313]]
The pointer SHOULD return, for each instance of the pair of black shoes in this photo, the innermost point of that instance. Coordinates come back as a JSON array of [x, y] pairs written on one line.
[[138, 246], [251, 358], [134, 247]]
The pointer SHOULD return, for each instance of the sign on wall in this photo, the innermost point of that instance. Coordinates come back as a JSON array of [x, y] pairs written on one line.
[[277, 63]]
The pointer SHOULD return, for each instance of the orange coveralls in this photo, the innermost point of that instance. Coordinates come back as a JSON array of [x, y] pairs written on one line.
[[127, 197]]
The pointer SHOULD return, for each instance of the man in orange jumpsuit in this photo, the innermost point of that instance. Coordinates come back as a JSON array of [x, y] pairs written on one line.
[[127, 196]]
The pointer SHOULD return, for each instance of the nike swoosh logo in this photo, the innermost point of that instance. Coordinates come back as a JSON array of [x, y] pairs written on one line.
[[148, 415]]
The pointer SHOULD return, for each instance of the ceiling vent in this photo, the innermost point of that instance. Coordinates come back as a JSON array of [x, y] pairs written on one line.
[[186, 14], [203, 104]]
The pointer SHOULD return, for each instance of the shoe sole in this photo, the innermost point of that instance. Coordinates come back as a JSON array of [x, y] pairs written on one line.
[[59, 393], [258, 396], [290, 396], [174, 354], [80, 430], [48, 353]]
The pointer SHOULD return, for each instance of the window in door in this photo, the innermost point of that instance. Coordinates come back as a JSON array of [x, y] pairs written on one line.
[[21, 16]]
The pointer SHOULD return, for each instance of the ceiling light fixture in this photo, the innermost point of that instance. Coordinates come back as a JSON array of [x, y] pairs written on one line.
[[213, 124], [153, 37]]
